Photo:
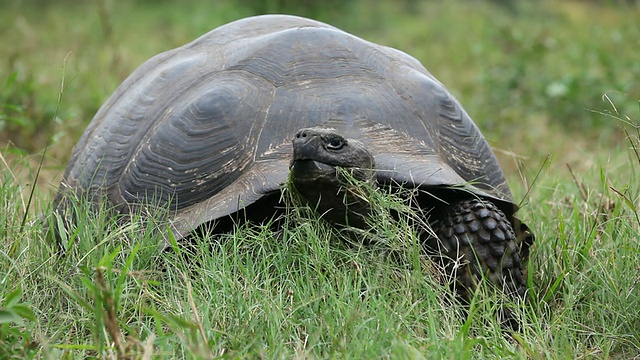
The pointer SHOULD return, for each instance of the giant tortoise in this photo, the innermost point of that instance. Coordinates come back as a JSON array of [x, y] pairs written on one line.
[[214, 128]]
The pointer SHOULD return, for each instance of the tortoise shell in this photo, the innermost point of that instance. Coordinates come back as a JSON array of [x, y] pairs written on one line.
[[207, 127]]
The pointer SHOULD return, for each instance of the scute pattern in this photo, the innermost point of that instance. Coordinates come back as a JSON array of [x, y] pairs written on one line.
[[106, 146], [195, 145], [298, 58]]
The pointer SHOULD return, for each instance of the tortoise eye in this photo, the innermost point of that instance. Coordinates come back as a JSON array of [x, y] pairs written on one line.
[[335, 144]]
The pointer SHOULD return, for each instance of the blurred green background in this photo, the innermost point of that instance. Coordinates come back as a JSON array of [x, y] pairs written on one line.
[[540, 78]]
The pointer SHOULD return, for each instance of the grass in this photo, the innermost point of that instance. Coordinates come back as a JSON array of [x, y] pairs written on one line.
[[301, 292], [534, 81]]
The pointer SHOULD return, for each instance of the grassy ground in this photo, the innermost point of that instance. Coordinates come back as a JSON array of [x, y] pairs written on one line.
[[534, 80]]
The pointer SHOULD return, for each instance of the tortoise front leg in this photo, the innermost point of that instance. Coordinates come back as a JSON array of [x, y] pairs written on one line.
[[476, 240]]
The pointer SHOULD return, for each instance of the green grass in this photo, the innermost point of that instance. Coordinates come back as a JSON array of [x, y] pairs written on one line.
[[533, 80]]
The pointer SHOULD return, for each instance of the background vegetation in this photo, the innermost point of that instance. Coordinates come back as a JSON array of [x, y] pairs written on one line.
[[553, 85]]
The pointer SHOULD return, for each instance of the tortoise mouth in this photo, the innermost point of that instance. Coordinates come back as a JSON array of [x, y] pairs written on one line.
[[308, 170]]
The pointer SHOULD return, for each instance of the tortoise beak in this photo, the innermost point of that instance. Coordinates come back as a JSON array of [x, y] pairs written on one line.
[[307, 145], [307, 152]]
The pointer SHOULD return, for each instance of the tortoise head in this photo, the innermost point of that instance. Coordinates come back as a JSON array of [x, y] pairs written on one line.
[[317, 155], [317, 152]]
